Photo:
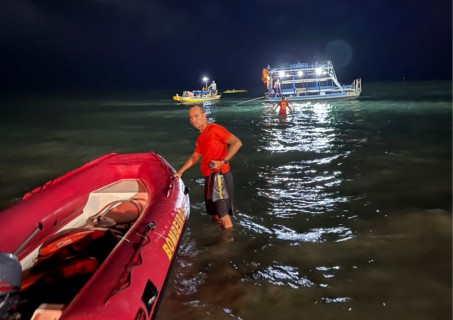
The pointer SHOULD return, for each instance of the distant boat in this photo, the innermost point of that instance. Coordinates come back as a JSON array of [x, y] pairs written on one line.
[[96, 243], [234, 91], [197, 96], [304, 81]]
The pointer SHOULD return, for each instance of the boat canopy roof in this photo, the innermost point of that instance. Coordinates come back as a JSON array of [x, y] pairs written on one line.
[[289, 69], [299, 73]]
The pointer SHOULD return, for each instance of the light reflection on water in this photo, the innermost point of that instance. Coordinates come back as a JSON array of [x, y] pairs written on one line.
[[299, 188], [306, 129], [313, 235], [304, 185], [282, 275]]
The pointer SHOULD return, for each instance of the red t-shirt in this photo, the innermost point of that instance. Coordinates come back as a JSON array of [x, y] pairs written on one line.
[[282, 104], [212, 144]]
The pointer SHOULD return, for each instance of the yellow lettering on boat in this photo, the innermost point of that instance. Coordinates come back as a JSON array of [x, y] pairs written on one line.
[[170, 243], [173, 238], [174, 232], [167, 251]]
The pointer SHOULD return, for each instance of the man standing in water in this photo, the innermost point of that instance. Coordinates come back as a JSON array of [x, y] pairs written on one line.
[[283, 105], [215, 146]]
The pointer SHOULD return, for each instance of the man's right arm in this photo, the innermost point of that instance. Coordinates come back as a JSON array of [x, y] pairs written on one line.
[[193, 159]]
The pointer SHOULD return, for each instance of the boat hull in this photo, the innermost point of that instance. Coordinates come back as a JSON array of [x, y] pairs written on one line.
[[148, 211], [328, 97], [179, 98]]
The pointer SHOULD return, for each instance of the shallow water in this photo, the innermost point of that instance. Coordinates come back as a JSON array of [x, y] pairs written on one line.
[[343, 210]]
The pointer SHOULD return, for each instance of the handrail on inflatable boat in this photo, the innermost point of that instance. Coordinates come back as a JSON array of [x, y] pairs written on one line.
[[113, 205]]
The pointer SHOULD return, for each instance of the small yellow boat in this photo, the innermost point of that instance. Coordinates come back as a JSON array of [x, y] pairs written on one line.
[[234, 91], [197, 96]]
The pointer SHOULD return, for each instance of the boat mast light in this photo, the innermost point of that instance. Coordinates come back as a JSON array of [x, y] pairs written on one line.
[[205, 79]]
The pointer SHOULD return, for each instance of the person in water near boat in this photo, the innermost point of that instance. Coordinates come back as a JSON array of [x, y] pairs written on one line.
[[283, 105], [213, 87], [216, 146], [277, 88]]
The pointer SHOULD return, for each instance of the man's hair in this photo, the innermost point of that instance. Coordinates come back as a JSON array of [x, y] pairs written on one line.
[[198, 106]]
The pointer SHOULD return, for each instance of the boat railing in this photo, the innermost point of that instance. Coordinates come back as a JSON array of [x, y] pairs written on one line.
[[356, 85], [306, 67], [305, 80], [315, 91]]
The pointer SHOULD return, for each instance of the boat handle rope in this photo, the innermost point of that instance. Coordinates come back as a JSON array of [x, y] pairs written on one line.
[[170, 186], [166, 165], [125, 279]]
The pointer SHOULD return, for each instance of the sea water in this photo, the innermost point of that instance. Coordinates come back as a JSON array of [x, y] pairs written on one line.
[[342, 210]]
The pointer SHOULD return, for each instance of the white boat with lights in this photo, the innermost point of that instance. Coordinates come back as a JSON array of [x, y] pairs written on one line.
[[305, 82]]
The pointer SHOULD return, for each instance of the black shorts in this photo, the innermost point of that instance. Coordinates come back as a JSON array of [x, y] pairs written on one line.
[[220, 207]]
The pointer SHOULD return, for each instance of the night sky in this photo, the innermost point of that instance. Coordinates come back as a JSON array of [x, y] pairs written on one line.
[[146, 44]]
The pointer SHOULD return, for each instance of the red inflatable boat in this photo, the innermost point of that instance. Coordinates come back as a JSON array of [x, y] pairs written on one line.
[[96, 243]]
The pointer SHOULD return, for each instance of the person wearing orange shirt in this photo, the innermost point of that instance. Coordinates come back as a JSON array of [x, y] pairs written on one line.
[[283, 105], [215, 146]]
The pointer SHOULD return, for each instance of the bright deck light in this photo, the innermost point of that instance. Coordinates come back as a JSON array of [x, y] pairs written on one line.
[[300, 73], [205, 79], [281, 73], [318, 71]]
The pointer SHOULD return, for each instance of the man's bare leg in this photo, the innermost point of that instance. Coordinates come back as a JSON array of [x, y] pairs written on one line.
[[226, 222]]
